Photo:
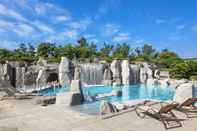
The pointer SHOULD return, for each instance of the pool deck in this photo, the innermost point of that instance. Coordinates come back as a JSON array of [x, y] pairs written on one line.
[[24, 115]]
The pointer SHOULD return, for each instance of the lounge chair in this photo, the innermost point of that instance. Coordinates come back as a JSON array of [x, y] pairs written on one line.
[[164, 114], [188, 107]]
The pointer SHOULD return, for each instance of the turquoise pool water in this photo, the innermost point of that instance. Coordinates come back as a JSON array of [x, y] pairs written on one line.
[[52, 91], [131, 92]]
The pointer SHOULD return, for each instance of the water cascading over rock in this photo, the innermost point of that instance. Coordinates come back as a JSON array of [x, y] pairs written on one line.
[[66, 71], [91, 73], [116, 72], [126, 72], [107, 77], [146, 74], [135, 73]]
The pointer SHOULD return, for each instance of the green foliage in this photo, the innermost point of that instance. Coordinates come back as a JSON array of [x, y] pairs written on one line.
[[184, 69], [83, 50], [121, 51], [193, 78], [45, 50], [106, 50]]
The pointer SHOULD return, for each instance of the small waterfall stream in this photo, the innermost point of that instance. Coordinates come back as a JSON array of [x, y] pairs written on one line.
[[135, 74], [91, 73]]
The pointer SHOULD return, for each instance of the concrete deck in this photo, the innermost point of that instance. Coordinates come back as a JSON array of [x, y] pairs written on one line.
[[24, 115]]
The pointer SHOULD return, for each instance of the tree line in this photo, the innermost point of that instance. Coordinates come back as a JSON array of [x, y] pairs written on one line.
[[82, 49]]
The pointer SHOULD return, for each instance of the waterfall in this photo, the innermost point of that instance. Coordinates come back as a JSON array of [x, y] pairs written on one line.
[[135, 73], [91, 73]]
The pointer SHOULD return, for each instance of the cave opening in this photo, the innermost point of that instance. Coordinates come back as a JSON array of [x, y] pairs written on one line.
[[52, 77]]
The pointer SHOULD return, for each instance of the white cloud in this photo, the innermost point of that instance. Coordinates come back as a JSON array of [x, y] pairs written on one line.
[[7, 44], [62, 18], [160, 21], [111, 29], [71, 34], [24, 30], [121, 37], [20, 29], [81, 24], [42, 8], [181, 27], [139, 41], [11, 13], [194, 28], [43, 27], [107, 6], [94, 40]]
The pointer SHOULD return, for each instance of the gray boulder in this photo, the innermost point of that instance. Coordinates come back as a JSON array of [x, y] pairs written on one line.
[[44, 101], [66, 71], [75, 86], [77, 73], [116, 72], [107, 77], [126, 72], [106, 108], [69, 99]]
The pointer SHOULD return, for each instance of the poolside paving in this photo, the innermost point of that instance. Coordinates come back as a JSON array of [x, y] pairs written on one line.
[[24, 115]]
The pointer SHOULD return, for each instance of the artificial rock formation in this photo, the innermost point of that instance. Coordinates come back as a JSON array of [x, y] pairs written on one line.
[[116, 72], [66, 71], [91, 73], [107, 77], [106, 108], [73, 97], [183, 92], [135, 73], [126, 72]]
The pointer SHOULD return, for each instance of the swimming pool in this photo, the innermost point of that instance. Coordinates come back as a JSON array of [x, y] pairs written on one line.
[[131, 92], [52, 91]]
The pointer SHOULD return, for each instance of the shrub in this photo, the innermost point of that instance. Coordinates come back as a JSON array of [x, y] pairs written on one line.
[[193, 77]]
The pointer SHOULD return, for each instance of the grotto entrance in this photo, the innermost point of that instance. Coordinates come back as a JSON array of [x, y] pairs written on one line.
[[52, 77]]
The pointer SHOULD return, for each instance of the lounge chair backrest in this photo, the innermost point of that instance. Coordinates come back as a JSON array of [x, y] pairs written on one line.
[[168, 108], [189, 102]]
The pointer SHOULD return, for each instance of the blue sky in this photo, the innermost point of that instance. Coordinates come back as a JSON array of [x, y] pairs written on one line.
[[168, 24]]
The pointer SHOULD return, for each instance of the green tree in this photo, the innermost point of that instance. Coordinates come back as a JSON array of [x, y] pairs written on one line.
[[106, 50], [167, 59], [5, 55], [45, 50], [121, 51], [184, 69], [147, 50]]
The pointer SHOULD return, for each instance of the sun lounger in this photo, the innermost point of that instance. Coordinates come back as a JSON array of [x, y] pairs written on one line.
[[188, 107], [121, 108], [164, 114]]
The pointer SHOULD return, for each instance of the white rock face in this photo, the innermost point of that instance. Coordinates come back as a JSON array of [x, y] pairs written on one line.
[[126, 72], [183, 92], [106, 108], [116, 72], [75, 85], [40, 77], [146, 74], [77, 74], [135, 73], [107, 77], [66, 71], [69, 99]]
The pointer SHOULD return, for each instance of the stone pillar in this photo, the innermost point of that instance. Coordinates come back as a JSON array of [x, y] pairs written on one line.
[[126, 72], [116, 72], [66, 71]]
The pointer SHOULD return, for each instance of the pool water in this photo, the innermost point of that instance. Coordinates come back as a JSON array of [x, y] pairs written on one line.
[[52, 91], [131, 92]]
